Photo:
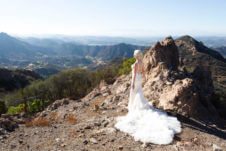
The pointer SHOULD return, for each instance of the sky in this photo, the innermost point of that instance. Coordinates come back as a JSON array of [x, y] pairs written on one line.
[[114, 17]]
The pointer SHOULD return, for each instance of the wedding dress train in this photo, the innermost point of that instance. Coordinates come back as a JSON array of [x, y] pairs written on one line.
[[144, 122]]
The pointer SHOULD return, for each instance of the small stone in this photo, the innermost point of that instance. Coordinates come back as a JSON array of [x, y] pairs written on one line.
[[85, 142], [96, 107], [195, 139], [105, 123], [93, 140], [20, 141], [102, 104], [97, 124], [187, 143], [179, 144], [36, 132], [116, 98], [71, 110], [217, 148], [144, 145], [57, 139], [5, 136], [13, 146], [63, 145], [105, 94], [120, 147], [65, 101], [87, 127]]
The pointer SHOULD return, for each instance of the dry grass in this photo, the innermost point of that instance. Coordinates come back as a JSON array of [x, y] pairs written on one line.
[[71, 118], [39, 122]]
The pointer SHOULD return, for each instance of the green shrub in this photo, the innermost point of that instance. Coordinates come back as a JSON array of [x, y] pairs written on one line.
[[125, 68], [35, 105], [16, 109]]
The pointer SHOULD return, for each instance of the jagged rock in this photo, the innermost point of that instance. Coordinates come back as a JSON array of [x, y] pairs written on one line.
[[165, 51], [171, 89]]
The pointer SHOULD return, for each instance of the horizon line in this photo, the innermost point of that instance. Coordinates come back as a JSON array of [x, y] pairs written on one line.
[[49, 35]]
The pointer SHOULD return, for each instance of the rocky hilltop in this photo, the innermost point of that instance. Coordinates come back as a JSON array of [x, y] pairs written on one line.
[[173, 89], [193, 53], [88, 123]]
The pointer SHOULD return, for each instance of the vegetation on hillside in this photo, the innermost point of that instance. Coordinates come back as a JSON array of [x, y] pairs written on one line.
[[72, 83], [14, 79]]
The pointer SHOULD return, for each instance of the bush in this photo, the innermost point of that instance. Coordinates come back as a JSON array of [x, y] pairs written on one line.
[[16, 109], [125, 68], [2, 107]]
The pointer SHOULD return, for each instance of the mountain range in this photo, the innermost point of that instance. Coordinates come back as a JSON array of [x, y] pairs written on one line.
[[20, 53], [222, 50]]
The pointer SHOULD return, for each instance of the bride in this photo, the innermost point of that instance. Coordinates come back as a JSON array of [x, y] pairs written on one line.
[[144, 122]]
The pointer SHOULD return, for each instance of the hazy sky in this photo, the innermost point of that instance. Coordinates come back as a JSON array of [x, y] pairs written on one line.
[[114, 17]]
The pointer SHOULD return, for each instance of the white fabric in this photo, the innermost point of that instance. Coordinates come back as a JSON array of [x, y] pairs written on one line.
[[144, 122]]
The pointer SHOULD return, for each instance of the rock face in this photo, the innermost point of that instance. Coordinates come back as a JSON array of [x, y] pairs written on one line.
[[171, 89], [165, 51]]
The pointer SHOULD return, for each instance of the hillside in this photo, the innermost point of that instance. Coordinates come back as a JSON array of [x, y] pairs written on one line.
[[88, 123], [15, 79], [15, 49], [48, 56], [194, 53]]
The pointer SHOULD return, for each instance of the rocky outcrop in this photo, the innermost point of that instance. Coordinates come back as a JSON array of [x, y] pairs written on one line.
[[166, 52], [171, 89]]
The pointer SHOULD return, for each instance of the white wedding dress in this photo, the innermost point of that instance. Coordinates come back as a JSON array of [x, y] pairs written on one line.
[[144, 122]]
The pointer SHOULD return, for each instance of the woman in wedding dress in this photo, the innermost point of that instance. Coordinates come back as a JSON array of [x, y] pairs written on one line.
[[144, 122]]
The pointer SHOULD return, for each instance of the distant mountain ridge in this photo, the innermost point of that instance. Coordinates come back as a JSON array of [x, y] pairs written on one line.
[[222, 50], [48, 56], [13, 48], [196, 46]]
